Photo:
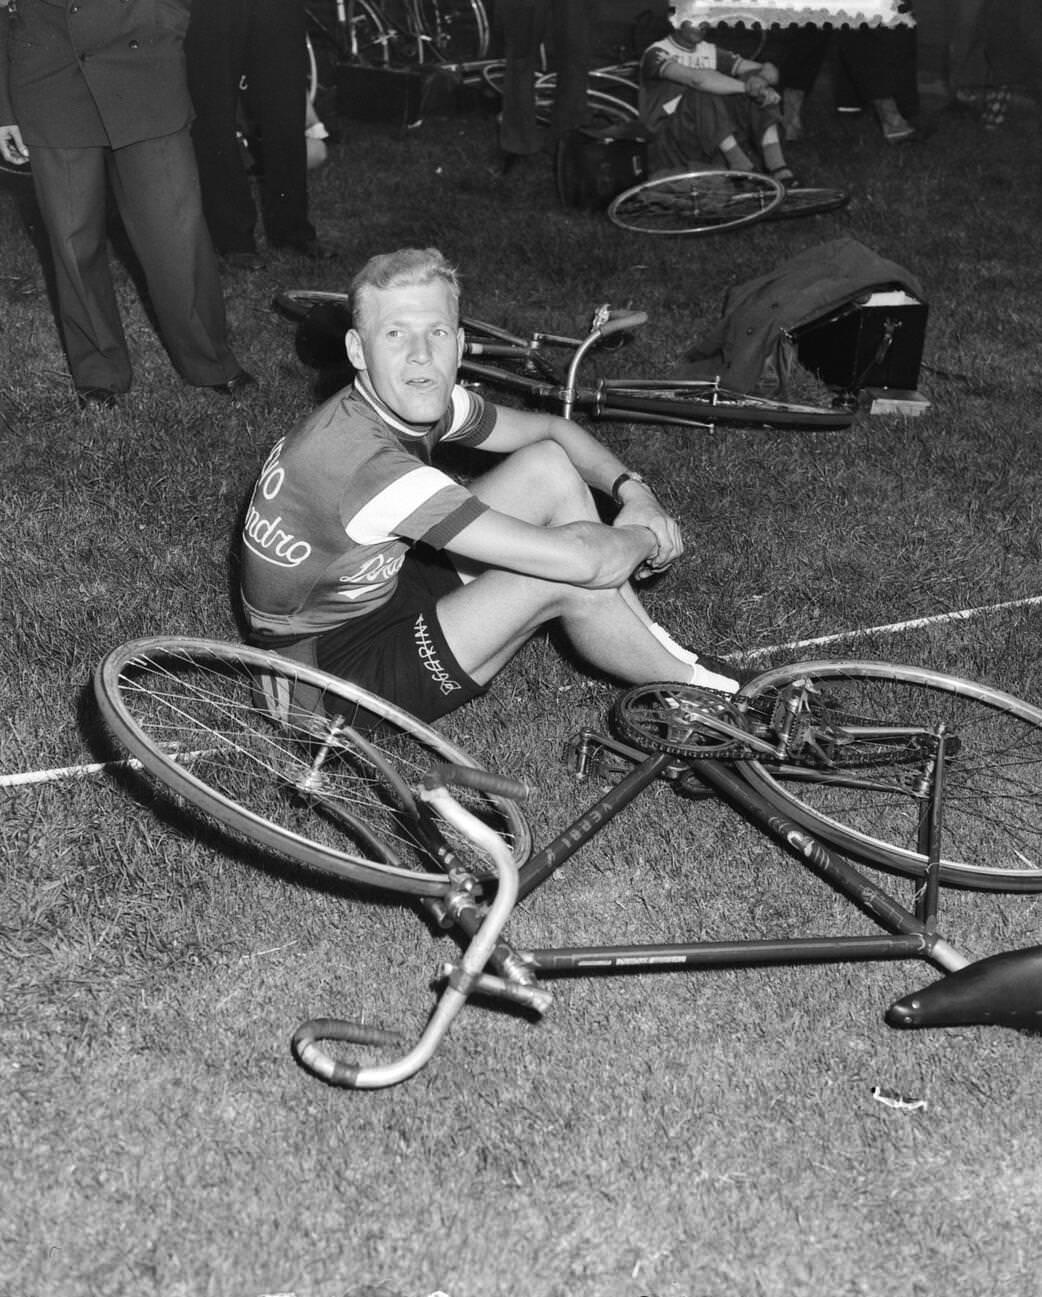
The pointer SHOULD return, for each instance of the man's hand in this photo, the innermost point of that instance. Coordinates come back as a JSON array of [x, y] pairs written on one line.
[[642, 509], [12, 149], [760, 92]]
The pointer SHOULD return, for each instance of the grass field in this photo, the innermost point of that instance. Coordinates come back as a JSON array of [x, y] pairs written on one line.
[[705, 1135]]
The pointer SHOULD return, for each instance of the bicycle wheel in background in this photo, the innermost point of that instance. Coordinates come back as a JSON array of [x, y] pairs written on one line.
[[458, 29], [369, 39], [191, 712], [298, 303], [991, 837], [696, 202]]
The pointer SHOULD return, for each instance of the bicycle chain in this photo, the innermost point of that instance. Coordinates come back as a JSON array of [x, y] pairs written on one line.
[[804, 745]]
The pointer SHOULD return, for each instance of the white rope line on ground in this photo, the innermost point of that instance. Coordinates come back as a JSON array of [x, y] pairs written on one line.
[[893, 628], [79, 772]]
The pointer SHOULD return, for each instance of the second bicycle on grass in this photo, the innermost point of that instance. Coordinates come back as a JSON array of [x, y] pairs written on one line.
[[525, 366]]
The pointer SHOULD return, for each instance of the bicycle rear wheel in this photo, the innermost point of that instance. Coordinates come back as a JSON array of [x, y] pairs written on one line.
[[696, 202], [192, 713], [699, 403], [992, 806], [298, 303]]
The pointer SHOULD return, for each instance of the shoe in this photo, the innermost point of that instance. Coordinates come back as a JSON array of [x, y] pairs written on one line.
[[310, 249], [706, 672], [236, 384], [248, 261], [710, 673], [785, 177], [900, 134], [97, 398]]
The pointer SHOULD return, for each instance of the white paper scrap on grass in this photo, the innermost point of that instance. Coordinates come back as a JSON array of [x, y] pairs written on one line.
[[768, 13]]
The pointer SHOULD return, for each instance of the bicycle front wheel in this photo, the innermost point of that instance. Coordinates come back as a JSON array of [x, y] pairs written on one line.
[[339, 802], [696, 202], [991, 837]]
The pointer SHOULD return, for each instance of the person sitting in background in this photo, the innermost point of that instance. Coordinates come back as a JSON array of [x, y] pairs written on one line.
[[700, 102], [361, 557]]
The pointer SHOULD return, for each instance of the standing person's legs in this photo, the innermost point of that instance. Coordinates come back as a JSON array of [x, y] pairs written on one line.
[[72, 196], [277, 104], [573, 23], [215, 59], [157, 191], [520, 27]]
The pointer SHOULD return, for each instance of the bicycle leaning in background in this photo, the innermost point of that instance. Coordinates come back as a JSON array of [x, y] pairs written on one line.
[[843, 764]]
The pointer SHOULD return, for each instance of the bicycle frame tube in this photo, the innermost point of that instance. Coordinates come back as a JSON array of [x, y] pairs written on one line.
[[907, 935]]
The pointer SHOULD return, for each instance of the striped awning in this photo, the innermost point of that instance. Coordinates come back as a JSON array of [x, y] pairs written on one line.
[[768, 13]]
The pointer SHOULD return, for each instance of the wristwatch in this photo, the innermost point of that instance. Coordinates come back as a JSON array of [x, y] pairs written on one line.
[[620, 481]]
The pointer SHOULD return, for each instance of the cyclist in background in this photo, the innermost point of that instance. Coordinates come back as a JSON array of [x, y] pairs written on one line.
[[699, 101], [362, 557]]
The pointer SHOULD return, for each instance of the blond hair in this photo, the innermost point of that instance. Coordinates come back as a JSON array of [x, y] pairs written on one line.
[[406, 268]]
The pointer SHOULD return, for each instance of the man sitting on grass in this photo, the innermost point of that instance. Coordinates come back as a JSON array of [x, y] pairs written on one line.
[[702, 103], [363, 558]]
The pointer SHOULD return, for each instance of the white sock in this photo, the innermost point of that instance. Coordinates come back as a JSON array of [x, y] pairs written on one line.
[[671, 646], [700, 675]]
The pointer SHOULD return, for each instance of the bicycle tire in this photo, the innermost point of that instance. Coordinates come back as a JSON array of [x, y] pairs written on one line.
[[696, 202], [369, 37], [190, 712], [659, 401], [809, 200], [606, 101], [297, 303], [458, 29], [992, 805]]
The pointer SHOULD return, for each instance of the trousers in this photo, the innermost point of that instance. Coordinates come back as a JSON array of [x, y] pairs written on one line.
[[521, 27], [261, 43], [156, 191]]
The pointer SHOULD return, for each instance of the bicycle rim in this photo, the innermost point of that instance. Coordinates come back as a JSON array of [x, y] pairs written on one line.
[[189, 710], [992, 806], [811, 201], [369, 38], [298, 303], [458, 29], [696, 202]]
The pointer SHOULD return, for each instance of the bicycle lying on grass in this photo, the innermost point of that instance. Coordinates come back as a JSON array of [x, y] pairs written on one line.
[[522, 365], [710, 202], [898, 768]]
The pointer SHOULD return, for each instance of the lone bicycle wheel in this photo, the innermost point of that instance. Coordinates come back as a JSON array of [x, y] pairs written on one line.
[[696, 202], [336, 800], [991, 836]]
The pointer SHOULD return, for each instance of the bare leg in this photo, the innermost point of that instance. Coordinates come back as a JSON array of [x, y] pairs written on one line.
[[496, 611]]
